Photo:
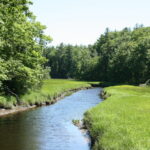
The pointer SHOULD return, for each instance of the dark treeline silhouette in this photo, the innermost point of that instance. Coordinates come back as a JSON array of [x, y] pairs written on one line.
[[67, 61], [117, 56]]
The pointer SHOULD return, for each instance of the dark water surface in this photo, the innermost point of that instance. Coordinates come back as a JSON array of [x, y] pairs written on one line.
[[49, 127]]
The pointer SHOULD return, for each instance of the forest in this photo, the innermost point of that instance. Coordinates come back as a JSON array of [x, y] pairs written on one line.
[[117, 56]]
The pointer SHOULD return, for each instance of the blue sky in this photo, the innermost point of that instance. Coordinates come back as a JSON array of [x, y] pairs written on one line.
[[82, 21]]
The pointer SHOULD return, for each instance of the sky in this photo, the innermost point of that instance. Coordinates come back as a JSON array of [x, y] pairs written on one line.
[[83, 21]]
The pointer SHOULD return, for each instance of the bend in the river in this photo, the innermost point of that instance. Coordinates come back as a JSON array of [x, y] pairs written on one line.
[[49, 127]]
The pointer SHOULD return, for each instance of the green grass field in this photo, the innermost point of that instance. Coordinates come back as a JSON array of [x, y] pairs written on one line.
[[122, 121], [51, 89]]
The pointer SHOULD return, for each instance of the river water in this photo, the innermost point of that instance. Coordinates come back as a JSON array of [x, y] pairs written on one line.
[[49, 127]]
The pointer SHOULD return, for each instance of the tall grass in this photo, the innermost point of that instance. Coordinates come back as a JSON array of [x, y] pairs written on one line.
[[51, 89], [7, 102], [122, 122]]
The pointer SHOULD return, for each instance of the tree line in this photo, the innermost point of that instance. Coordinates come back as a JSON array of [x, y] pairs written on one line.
[[117, 56], [25, 59], [74, 62]]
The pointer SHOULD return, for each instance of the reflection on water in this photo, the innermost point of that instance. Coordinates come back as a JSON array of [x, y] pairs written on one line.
[[49, 127]]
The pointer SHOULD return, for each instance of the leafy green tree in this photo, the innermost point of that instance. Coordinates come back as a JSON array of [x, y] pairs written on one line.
[[21, 46]]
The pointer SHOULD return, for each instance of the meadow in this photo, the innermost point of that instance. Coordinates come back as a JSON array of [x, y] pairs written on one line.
[[121, 122], [50, 90]]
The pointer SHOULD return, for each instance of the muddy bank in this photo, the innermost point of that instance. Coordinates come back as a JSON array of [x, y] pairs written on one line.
[[82, 127], [4, 112]]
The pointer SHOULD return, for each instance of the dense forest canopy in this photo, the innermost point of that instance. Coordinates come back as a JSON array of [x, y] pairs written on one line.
[[67, 61], [117, 56]]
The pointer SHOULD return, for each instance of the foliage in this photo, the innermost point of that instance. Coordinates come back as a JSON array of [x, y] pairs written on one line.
[[67, 61], [122, 121], [124, 56], [117, 56], [21, 47]]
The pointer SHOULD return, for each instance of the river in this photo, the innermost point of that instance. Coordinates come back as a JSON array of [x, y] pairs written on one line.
[[49, 127]]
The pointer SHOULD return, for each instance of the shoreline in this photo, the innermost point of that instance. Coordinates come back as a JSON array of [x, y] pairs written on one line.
[[102, 95], [123, 106], [21, 108]]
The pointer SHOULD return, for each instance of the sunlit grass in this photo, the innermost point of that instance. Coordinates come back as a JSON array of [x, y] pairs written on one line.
[[52, 88], [122, 122], [7, 102]]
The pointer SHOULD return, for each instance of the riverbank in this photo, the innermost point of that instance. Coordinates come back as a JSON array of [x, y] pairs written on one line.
[[121, 122], [51, 91]]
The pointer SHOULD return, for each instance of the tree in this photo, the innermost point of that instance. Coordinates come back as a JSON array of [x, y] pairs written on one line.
[[21, 46]]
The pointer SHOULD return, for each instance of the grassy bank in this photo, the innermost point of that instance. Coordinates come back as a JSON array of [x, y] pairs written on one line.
[[50, 90], [122, 122]]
